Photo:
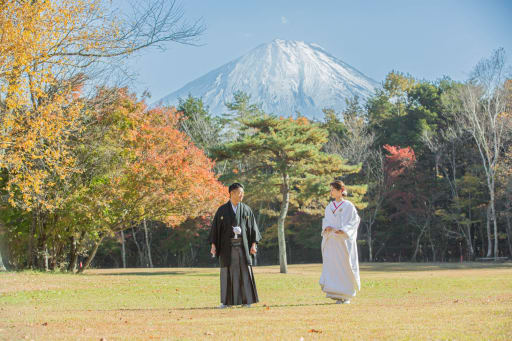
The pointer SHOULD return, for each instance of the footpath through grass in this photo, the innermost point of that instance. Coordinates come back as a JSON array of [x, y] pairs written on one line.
[[397, 302]]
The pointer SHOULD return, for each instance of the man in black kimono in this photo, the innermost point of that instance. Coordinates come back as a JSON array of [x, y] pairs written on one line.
[[234, 237]]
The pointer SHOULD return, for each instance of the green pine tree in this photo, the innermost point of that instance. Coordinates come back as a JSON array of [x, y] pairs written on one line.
[[286, 153]]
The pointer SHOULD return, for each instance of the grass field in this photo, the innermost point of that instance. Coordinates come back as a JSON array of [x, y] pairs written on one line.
[[396, 302]]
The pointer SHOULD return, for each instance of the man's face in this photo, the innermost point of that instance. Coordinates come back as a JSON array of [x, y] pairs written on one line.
[[237, 195]]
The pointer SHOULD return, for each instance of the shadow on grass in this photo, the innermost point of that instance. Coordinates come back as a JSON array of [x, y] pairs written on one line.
[[156, 273], [256, 306], [390, 267], [227, 308]]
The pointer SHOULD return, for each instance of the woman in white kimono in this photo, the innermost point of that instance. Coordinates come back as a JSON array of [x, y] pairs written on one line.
[[340, 269]]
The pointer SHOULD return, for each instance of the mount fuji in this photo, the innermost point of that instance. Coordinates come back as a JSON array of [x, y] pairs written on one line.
[[285, 77]]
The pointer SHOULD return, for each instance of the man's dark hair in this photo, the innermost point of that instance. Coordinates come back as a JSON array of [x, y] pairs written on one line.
[[234, 186]]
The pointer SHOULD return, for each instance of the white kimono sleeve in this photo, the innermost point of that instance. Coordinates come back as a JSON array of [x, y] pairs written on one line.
[[325, 219], [350, 221]]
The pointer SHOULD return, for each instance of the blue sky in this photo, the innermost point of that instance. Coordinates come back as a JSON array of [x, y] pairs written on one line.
[[427, 39]]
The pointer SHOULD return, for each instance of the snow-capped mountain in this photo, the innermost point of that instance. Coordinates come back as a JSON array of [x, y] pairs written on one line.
[[285, 77]]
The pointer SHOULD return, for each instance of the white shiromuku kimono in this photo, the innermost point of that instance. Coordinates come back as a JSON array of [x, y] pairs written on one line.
[[340, 270]]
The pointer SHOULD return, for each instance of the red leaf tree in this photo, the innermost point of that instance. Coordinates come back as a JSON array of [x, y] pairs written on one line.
[[410, 192]]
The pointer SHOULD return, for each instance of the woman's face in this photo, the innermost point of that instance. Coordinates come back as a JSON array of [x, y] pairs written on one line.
[[335, 193]]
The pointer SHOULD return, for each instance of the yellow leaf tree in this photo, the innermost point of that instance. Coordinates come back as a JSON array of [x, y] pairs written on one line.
[[48, 49]]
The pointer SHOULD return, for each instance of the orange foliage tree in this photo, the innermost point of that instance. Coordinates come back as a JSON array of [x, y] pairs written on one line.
[[162, 175]]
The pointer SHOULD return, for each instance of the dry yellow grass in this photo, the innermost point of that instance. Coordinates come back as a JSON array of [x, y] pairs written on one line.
[[397, 302]]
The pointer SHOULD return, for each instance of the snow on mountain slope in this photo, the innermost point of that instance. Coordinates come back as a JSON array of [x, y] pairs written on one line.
[[285, 77]]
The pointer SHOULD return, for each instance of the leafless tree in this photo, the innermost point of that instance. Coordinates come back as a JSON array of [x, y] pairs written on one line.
[[356, 147], [482, 113], [201, 131], [139, 26], [445, 146]]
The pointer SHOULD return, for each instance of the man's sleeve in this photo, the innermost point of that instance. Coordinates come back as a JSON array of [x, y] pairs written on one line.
[[255, 232], [214, 230]]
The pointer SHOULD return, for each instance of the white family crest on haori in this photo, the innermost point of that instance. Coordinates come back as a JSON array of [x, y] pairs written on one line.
[[340, 270]]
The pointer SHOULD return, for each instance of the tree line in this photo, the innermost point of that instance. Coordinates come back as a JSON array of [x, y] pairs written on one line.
[[90, 175], [428, 164]]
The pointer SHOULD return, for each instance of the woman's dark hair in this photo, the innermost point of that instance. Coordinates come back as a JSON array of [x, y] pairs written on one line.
[[338, 185], [234, 186]]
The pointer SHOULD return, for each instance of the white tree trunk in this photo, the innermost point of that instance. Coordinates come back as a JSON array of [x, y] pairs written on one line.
[[46, 267], [123, 249], [369, 237], [2, 266], [148, 248], [285, 190], [489, 240], [73, 254], [494, 219]]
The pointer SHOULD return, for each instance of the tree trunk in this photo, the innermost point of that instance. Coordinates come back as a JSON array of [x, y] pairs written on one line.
[[369, 237], [46, 266], [91, 255], [469, 242], [413, 258], [369, 232], [2, 266], [148, 248], [123, 249], [139, 251], [509, 234], [493, 215], [432, 247], [56, 256], [468, 235], [2, 230], [73, 255], [489, 241], [30, 251], [193, 254], [285, 190]]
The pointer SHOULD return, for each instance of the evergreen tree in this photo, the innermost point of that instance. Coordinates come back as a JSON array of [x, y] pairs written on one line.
[[287, 153]]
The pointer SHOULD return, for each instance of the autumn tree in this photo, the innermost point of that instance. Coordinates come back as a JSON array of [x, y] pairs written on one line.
[[46, 46], [164, 175], [48, 49], [408, 204]]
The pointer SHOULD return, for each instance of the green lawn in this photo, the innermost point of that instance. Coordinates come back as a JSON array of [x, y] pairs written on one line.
[[397, 302]]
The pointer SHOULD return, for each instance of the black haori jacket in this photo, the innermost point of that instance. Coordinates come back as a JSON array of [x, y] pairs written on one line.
[[222, 231]]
